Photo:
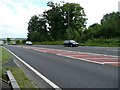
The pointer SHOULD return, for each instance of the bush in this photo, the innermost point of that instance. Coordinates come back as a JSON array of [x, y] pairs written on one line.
[[104, 42], [49, 43]]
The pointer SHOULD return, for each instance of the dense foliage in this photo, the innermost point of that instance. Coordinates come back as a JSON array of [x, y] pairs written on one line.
[[58, 23], [108, 28], [68, 22]]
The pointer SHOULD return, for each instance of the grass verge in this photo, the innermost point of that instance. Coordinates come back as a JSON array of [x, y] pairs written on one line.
[[20, 77], [6, 56], [17, 72], [49, 43], [0, 72], [115, 42], [0, 62]]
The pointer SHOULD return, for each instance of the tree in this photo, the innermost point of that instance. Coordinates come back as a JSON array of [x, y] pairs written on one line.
[[8, 40], [110, 25], [57, 23], [74, 19], [94, 31], [37, 29], [61, 19], [108, 28]]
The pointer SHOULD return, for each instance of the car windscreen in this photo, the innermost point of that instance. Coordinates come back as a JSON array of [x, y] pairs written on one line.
[[66, 41], [72, 41]]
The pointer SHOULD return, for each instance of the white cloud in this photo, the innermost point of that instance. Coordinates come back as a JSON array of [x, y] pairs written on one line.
[[95, 9], [18, 18], [15, 14]]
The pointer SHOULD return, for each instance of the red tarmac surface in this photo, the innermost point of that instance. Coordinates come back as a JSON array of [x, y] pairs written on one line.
[[101, 59]]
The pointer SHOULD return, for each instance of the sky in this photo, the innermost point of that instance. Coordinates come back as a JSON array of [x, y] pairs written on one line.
[[15, 14]]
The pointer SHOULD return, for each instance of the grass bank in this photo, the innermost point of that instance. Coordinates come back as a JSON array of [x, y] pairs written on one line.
[[49, 43], [115, 42], [0, 72], [17, 72], [6, 56], [20, 77], [0, 62]]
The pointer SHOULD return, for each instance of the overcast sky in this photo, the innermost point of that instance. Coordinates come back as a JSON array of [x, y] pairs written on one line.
[[15, 14]]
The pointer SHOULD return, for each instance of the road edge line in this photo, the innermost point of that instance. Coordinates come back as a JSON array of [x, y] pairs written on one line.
[[35, 71]]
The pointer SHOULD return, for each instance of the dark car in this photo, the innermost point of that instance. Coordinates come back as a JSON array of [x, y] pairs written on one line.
[[70, 43]]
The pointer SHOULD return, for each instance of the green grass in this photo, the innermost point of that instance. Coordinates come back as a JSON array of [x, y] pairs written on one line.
[[0, 72], [17, 72], [5, 55], [0, 55], [0, 62], [49, 43], [115, 42], [20, 77]]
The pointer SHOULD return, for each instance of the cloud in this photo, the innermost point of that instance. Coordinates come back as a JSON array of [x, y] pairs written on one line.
[[15, 14], [95, 9]]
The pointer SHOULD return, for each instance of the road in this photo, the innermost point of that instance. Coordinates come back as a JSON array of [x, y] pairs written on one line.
[[68, 72], [90, 49]]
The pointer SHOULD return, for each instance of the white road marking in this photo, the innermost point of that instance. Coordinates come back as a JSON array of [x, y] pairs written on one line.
[[40, 50], [112, 56], [100, 58], [110, 62], [71, 51], [81, 59], [112, 50], [35, 71], [88, 60], [79, 52]]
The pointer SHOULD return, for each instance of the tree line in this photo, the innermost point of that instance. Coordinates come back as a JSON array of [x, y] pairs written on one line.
[[68, 21]]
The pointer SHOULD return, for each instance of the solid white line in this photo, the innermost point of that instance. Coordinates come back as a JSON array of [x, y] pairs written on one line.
[[87, 60], [101, 58], [80, 52], [81, 59], [40, 50], [112, 50], [76, 52], [38, 73], [110, 62]]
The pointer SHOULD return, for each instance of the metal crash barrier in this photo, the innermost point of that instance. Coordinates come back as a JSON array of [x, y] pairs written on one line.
[[13, 82]]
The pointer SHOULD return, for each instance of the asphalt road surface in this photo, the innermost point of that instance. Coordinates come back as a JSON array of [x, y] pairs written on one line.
[[90, 49], [71, 73]]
